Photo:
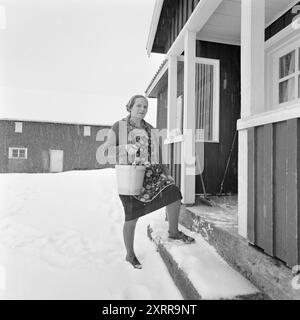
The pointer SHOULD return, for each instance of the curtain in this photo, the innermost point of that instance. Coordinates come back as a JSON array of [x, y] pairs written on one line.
[[287, 65], [204, 99]]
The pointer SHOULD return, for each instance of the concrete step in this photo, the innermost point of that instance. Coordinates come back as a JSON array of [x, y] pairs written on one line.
[[271, 276], [197, 270]]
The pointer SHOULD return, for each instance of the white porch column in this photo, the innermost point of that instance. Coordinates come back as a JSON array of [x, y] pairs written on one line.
[[172, 92], [252, 90], [188, 145]]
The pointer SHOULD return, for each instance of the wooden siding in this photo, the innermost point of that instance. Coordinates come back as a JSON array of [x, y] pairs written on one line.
[[216, 154], [40, 137], [274, 189], [282, 22], [174, 15]]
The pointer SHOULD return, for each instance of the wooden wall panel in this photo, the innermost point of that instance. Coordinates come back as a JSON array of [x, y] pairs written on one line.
[[259, 187], [251, 186], [293, 193], [268, 209], [217, 154], [184, 8], [40, 137], [274, 189], [280, 142]]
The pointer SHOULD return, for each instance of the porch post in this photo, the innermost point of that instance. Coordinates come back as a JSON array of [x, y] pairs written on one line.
[[252, 95], [172, 93], [188, 145]]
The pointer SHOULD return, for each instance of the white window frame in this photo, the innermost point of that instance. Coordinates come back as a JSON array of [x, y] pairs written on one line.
[[87, 131], [19, 127], [10, 153], [216, 104], [286, 41]]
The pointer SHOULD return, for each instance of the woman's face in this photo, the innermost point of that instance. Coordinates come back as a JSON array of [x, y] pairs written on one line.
[[140, 108]]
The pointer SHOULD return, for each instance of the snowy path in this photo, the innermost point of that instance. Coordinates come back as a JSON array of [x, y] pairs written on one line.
[[61, 238]]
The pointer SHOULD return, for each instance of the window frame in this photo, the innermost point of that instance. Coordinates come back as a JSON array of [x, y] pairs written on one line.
[[216, 101], [18, 127], [11, 156], [88, 132], [280, 49]]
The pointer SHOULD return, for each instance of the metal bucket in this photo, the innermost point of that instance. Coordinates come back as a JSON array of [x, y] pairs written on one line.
[[130, 179]]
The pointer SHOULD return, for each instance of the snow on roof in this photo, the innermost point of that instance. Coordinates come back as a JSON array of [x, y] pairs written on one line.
[[155, 76], [57, 122]]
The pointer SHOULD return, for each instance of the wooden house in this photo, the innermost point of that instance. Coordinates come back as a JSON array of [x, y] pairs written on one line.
[[233, 69], [43, 146]]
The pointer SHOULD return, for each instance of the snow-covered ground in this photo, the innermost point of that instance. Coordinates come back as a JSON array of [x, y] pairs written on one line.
[[61, 238]]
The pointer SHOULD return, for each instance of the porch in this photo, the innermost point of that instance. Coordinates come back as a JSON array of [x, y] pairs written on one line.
[[268, 123], [218, 225]]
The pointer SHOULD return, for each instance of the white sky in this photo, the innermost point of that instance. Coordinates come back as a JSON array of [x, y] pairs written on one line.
[[74, 60]]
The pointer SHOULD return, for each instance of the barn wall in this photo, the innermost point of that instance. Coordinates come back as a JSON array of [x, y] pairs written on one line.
[[40, 137]]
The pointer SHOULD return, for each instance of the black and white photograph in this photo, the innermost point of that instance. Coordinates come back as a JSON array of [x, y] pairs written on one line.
[[149, 151]]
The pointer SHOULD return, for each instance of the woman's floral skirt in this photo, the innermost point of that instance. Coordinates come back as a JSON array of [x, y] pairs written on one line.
[[134, 208], [156, 179], [158, 191]]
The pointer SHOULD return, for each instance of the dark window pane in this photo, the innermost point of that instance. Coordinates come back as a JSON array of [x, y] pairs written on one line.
[[287, 65], [22, 153], [15, 153], [287, 90]]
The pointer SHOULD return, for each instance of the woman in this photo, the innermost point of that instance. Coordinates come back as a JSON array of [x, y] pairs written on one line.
[[159, 189]]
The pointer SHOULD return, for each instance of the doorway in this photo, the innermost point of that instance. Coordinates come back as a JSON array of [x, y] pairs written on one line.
[[56, 160]]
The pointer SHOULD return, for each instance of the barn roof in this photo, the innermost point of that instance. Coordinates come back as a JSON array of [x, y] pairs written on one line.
[[56, 122]]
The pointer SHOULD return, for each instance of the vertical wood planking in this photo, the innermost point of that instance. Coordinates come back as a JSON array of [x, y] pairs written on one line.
[[259, 187], [251, 185], [182, 13], [180, 9], [185, 11], [190, 7], [176, 20], [292, 201], [268, 190], [280, 176], [298, 192]]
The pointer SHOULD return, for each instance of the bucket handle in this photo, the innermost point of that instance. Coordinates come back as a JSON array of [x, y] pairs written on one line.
[[135, 158]]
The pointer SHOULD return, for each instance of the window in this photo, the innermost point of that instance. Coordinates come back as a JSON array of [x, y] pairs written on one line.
[[18, 127], [283, 78], [207, 99], [289, 73], [17, 153], [207, 91], [86, 130]]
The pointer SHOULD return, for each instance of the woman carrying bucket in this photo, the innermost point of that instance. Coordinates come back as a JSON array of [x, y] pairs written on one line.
[[158, 188]]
